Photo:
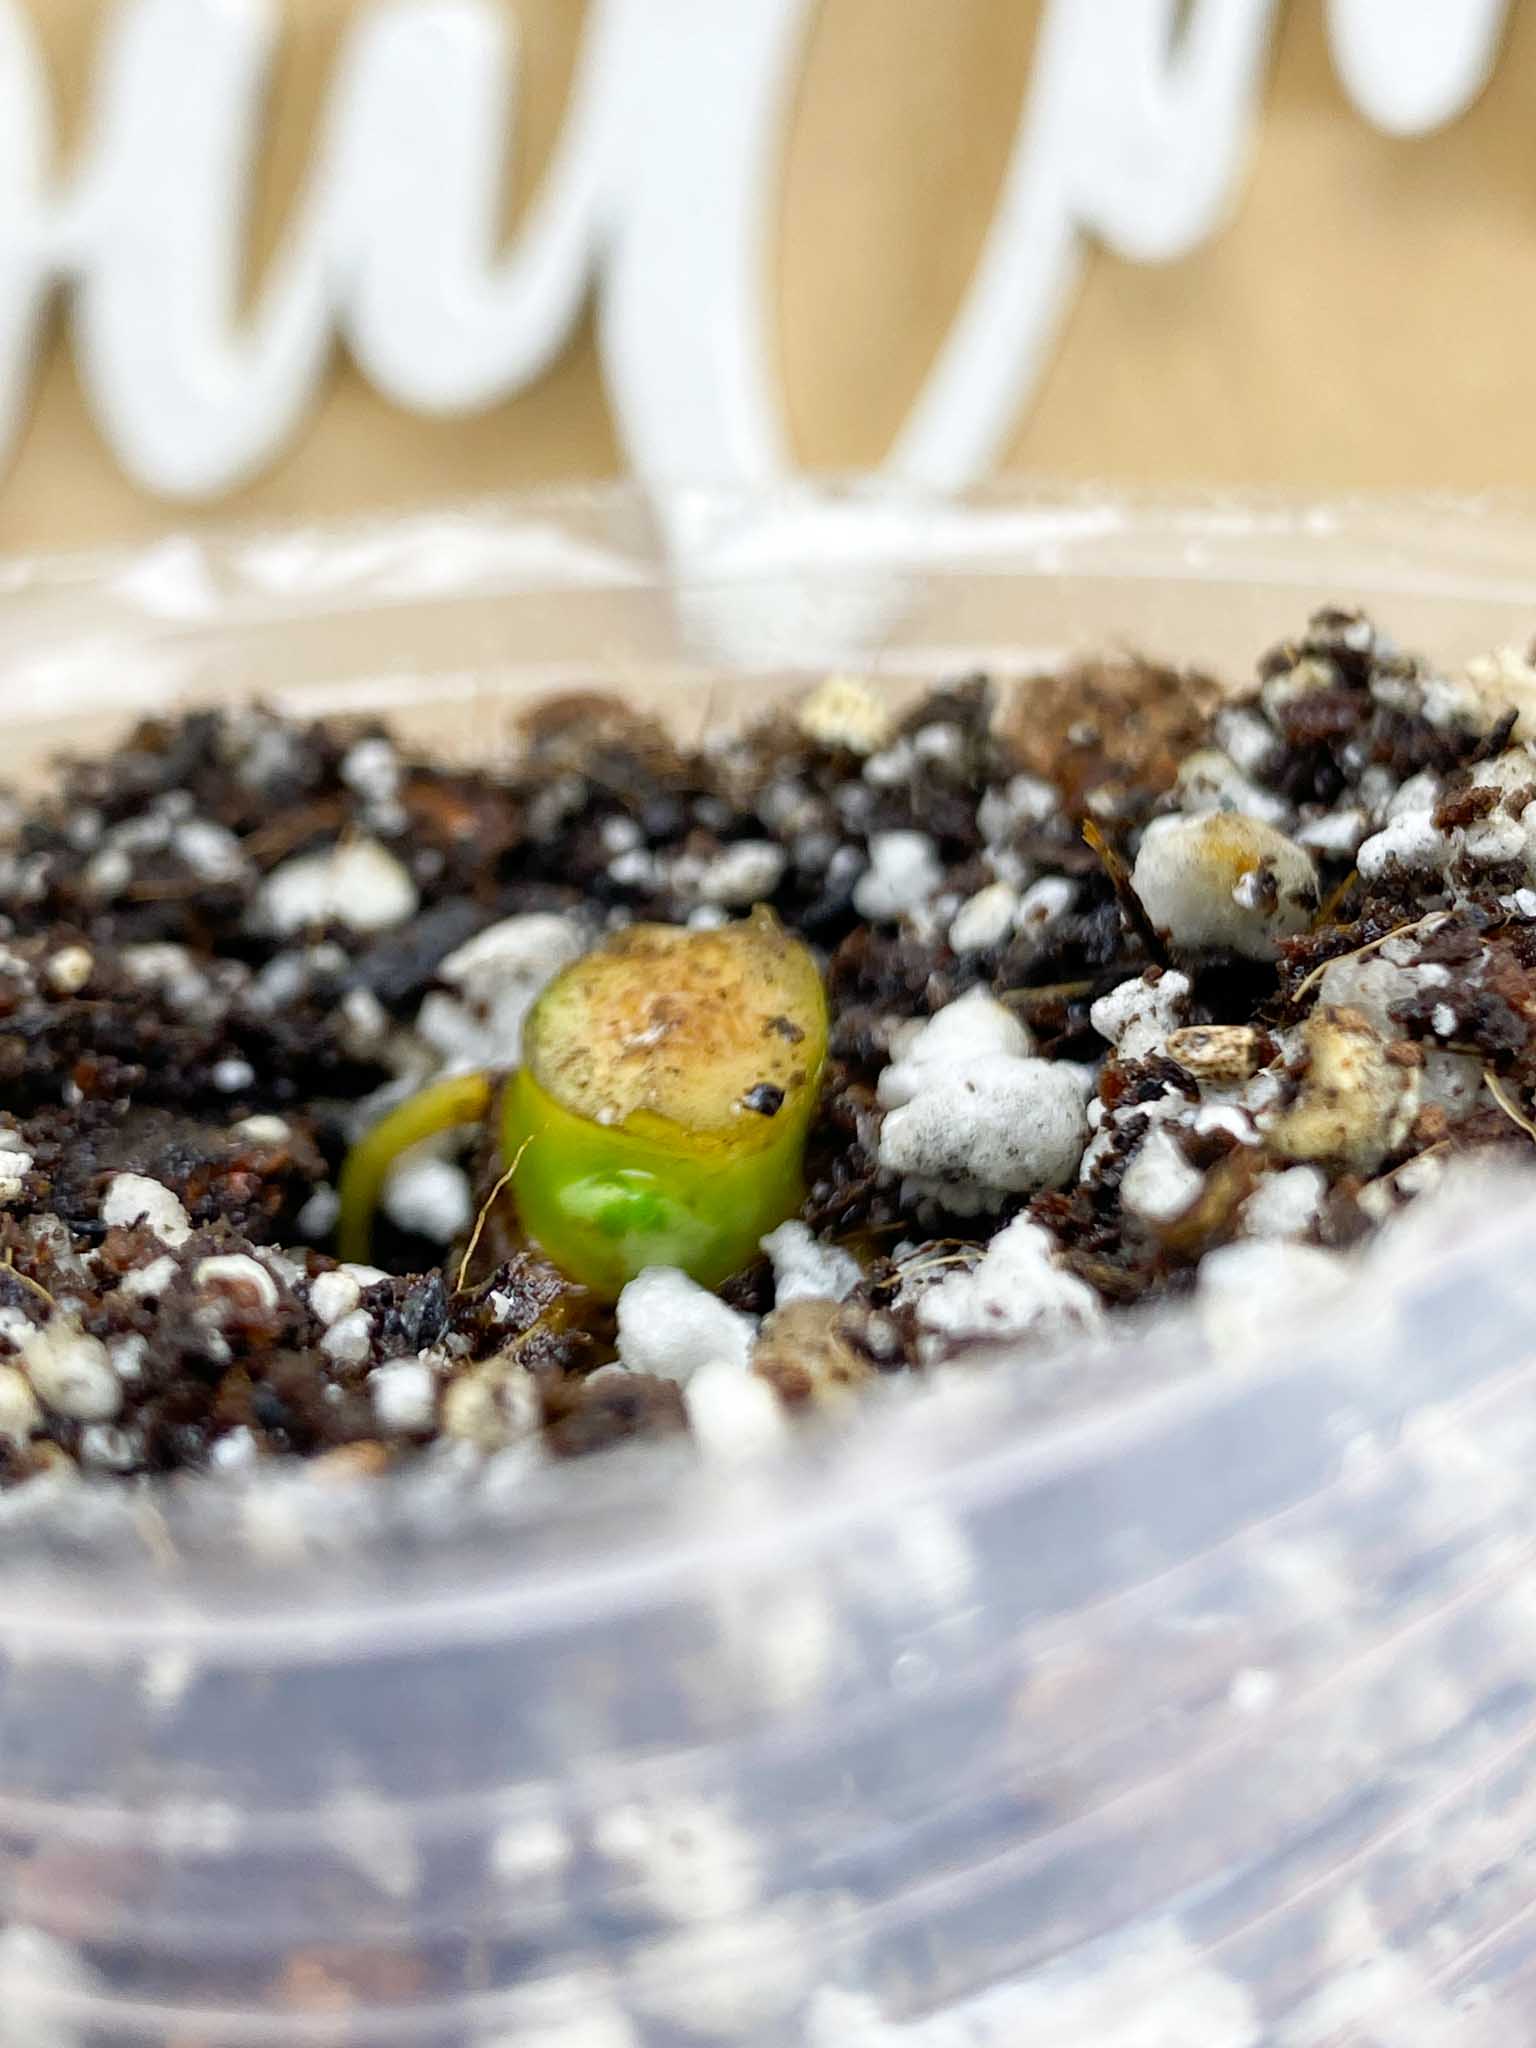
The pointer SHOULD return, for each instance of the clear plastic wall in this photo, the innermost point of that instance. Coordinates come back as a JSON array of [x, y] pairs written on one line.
[[1179, 1693]]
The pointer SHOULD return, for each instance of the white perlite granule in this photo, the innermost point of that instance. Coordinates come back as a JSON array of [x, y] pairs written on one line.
[[1024, 800], [1379, 986], [372, 768], [135, 1198], [211, 851], [1044, 903], [148, 1282], [1412, 841], [170, 970], [966, 1030], [973, 1116], [1137, 1015], [1249, 740], [529, 1851], [575, 2010], [1226, 881], [1210, 780], [317, 1218], [350, 1338], [128, 1355], [15, 1163], [404, 1396], [670, 1325], [904, 871], [1016, 1290], [365, 1019], [1335, 833], [888, 769], [743, 874], [1285, 1205], [1245, 1291], [333, 1295], [734, 1415], [805, 1269], [690, 1859], [736, 1979], [112, 1449], [430, 1196], [108, 873], [1159, 1184], [286, 1271], [358, 883], [985, 919], [494, 978], [943, 740]]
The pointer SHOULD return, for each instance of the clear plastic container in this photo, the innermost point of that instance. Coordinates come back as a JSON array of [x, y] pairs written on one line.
[[1176, 1694]]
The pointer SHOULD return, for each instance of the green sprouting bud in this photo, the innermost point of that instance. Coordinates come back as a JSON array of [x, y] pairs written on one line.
[[660, 1114]]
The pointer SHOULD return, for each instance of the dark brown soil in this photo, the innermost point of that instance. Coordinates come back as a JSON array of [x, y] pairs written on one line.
[[155, 1022]]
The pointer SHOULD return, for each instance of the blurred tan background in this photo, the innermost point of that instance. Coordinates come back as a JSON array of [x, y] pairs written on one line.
[[1365, 318]]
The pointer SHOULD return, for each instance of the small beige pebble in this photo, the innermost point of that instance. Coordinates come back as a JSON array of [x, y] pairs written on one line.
[[263, 1130], [493, 1405], [20, 1412], [802, 1354], [1354, 1105], [69, 970], [1218, 1053], [54, 1460], [351, 1463], [846, 711]]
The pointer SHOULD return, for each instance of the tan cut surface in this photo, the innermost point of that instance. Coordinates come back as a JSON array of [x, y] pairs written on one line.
[[680, 1024]]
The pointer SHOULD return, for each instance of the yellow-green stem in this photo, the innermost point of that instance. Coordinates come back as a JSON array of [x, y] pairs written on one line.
[[440, 1106]]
